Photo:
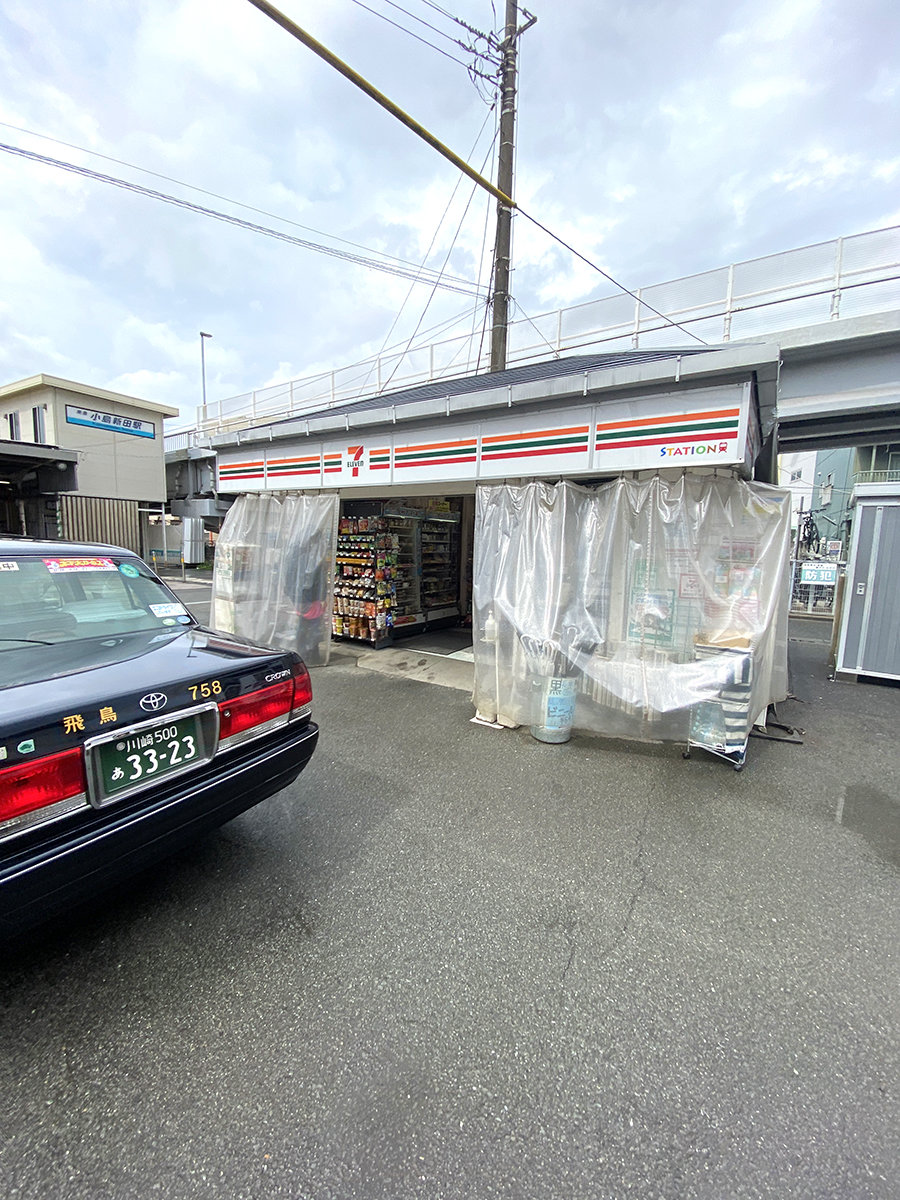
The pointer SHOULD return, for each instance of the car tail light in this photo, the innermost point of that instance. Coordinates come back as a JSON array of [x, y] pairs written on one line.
[[302, 690], [41, 782], [244, 717]]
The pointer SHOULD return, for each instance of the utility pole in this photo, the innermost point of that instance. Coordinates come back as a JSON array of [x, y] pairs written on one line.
[[203, 367], [505, 165]]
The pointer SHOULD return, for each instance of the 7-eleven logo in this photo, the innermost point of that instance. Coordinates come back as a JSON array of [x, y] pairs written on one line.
[[354, 458]]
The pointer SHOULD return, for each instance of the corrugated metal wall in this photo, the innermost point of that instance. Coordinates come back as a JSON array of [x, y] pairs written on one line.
[[99, 519]]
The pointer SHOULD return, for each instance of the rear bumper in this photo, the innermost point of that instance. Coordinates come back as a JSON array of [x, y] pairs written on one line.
[[76, 858]]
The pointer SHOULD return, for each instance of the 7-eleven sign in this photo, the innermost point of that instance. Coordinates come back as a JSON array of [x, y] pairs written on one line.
[[355, 459]]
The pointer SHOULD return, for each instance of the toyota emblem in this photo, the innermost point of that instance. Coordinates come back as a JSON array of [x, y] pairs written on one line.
[[154, 701]]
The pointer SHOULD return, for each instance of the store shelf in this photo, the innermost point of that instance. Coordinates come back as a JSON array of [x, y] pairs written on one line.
[[364, 593]]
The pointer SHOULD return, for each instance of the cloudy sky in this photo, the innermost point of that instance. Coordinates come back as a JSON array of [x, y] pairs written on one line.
[[660, 138]]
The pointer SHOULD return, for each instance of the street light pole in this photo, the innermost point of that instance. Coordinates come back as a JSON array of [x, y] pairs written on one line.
[[203, 366]]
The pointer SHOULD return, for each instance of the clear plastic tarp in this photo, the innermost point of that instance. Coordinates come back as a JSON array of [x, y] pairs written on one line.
[[273, 580], [654, 606]]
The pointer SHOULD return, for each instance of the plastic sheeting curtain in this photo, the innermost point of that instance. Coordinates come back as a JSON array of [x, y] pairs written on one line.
[[274, 572], [642, 592]]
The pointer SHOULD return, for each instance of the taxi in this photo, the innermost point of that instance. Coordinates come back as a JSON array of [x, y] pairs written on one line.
[[126, 728]]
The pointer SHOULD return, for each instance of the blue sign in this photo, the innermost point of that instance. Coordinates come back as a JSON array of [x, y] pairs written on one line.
[[112, 423], [824, 574]]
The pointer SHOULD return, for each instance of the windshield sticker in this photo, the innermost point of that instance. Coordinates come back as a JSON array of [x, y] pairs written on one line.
[[57, 565], [185, 620], [168, 620], [167, 610], [9, 566], [130, 570]]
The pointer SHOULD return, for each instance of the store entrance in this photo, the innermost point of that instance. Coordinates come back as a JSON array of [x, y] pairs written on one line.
[[403, 573]]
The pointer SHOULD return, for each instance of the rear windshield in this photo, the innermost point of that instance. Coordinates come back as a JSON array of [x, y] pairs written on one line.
[[51, 600]]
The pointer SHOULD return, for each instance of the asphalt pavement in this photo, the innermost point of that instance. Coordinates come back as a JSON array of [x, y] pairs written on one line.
[[455, 962]]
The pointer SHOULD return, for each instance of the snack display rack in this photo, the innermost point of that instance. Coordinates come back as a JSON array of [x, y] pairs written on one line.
[[364, 584], [396, 571]]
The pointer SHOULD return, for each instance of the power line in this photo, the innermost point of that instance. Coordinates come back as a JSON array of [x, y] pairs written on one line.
[[613, 281], [431, 247], [452, 243], [419, 274], [489, 38], [427, 24], [205, 192], [553, 349], [403, 29]]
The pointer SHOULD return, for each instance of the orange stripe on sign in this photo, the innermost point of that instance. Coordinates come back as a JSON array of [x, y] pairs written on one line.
[[676, 420], [436, 462], [538, 433], [240, 466], [466, 443], [274, 462]]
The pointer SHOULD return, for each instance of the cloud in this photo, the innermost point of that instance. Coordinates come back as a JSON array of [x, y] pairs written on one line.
[[765, 91], [659, 140]]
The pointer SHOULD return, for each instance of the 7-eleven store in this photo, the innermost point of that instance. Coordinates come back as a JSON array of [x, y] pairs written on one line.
[[402, 470]]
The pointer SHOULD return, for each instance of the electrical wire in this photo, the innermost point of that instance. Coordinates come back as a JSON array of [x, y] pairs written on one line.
[[612, 280], [362, 377], [464, 344], [489, 38], [403, 29], [417, 274], [456, 187], [203, 191], [427, 24], [483, 261], [553, 349], [449, 251]]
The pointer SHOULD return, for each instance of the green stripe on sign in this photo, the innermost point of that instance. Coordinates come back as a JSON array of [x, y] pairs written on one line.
[[667, 430], [435, 455], [580, 442]]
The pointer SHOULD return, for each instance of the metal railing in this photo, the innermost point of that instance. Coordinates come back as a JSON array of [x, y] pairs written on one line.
[[876, 477], [849, 276], [181, 441]]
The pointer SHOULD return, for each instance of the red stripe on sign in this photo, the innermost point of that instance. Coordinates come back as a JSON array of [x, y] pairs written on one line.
[[464, 442], [283, 474], [537, 433], [712, 436], [243, 475], [532, 453], [438, 462], [379, 466], [674, 419]]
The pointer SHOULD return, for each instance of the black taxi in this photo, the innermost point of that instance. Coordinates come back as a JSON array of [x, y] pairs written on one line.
[[126, 728]]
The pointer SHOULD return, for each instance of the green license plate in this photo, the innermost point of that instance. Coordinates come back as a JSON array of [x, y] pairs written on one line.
[[143, 754]]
